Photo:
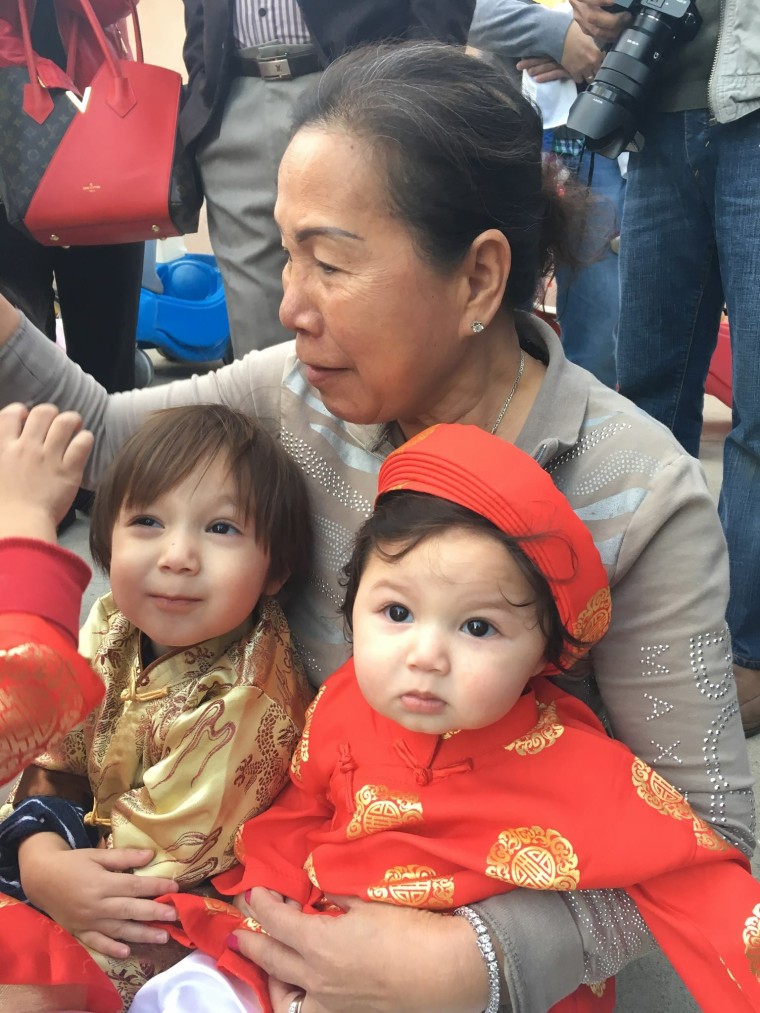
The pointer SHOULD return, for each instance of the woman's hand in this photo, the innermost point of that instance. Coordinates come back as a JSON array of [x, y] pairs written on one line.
[[375, 957], [42, 457], [93, 893], [281, 995]]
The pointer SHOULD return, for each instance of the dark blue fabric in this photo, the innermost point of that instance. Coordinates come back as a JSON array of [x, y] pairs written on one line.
[[35, 815]]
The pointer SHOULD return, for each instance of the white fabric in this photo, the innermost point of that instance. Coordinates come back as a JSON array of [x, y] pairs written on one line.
[[195, 985], [553, 98]]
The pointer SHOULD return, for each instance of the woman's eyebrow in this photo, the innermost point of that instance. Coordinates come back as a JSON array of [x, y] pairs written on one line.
[[324, 230]]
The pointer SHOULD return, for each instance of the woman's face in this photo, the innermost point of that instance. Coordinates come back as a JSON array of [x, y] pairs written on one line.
[[381, 334]]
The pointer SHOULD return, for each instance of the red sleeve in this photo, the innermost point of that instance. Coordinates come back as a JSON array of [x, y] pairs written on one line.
[[46, 688], [274, 846], [42, 579], [37, 950]]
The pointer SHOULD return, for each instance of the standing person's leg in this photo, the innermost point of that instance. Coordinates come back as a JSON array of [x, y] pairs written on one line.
[[26, 268], [99, 296], [737, 203], [588, 299], [670, 288], [239, 172]]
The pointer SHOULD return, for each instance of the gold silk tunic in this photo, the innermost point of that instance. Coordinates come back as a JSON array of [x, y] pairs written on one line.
[[182, 752]]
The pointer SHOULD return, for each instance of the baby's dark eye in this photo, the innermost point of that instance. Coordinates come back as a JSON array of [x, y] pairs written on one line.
[[478, 628], [398, 613]]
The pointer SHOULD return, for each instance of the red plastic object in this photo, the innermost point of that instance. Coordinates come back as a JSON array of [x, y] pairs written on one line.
[[719, 375]]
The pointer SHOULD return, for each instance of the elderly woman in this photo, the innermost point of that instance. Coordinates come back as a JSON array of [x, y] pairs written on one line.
[[415, 218]]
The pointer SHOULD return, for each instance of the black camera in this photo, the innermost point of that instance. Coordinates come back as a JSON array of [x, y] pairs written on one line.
[[607, 112]]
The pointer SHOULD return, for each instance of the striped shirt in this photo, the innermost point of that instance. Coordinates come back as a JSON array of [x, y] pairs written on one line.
[[257, 22]]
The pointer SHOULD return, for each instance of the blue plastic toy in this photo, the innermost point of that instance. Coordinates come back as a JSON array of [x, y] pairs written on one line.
[[187, 319]]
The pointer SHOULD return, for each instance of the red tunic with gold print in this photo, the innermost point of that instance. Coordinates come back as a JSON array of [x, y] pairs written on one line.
[[46, 688], [542, 799]]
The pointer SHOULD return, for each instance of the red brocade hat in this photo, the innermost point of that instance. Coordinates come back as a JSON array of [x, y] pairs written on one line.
[[465, 465]]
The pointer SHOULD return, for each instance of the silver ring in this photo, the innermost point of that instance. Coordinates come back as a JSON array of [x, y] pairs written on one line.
[[295, 1006]]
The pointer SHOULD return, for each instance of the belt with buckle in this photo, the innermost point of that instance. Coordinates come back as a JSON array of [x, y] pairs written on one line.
[[276, 68]]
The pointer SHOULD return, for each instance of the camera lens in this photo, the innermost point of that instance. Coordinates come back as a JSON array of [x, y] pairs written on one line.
[[607, 112]]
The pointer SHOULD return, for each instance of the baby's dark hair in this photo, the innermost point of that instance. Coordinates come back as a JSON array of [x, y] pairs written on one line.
[[172, 443], [402, 520]]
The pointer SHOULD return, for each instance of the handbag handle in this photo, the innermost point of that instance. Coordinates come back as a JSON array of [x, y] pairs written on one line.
[[38, 102], [139, 55], [117, 38]]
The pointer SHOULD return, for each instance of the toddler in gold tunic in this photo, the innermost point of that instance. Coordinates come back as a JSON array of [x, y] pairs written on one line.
[[200, 520]]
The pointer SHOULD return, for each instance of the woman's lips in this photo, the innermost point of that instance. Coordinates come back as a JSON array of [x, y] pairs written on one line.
[[318, 375]]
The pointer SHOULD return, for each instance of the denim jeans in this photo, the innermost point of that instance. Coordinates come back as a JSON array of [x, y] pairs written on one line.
[[588, 300], [690, 240]]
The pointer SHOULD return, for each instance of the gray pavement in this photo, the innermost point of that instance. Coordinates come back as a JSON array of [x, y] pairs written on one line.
[[650, 985]]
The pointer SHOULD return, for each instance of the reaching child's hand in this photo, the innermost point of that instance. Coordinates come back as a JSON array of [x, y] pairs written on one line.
[[42, 457], [93, 893]]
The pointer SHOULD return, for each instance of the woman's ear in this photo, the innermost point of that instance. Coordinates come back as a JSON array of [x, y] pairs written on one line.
[[485, 272]]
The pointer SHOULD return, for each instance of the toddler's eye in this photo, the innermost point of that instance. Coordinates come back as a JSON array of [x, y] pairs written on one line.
[[145, 522], [223, 528], [398, 613], [478, 628]]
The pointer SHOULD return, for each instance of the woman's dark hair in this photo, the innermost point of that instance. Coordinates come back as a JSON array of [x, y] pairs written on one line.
[[461, 152], [174, 442], [403, 520]]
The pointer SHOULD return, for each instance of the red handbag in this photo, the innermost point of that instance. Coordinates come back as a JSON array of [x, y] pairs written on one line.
[[102, 166]]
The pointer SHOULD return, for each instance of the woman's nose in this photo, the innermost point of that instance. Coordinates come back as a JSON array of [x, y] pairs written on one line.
[[297, 309]]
